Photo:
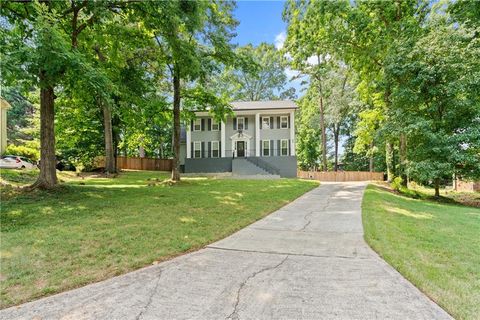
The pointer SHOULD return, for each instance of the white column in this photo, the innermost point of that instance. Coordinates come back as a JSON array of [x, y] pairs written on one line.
[[189, 140], [292, 133], [257, 134], [222, 141]]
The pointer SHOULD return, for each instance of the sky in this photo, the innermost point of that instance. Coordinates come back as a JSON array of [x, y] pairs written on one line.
[[260, 21]]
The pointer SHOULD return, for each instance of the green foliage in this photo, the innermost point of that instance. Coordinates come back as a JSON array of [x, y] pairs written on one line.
[[30, 153], [396, 184], [260, 76]]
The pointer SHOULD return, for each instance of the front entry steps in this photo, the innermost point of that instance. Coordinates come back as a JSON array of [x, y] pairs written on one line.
[[242, 168]]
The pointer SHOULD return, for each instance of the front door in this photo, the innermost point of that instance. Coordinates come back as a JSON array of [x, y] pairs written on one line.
[[240, 148]]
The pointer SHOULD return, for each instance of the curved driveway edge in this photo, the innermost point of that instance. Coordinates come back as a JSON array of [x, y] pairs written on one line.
[[307, 260]]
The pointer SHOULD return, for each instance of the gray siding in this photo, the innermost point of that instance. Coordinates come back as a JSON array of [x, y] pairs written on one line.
[[208, 165]]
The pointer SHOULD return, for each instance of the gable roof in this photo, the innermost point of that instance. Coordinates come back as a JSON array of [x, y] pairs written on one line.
[[261, 105]]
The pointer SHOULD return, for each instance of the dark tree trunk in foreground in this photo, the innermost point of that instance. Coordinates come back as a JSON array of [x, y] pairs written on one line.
[[48, 175], [322, 128], [176, 125], [403, 159], [108, 135], [437, 187]]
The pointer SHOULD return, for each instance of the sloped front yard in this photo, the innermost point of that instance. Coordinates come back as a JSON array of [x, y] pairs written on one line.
[[95, 228], [436, 246]]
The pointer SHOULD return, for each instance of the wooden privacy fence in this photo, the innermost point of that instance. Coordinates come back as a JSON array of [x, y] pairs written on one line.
[[341, 176], [137, 163]]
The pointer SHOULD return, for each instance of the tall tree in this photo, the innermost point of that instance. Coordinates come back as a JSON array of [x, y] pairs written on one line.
[[194, 38]]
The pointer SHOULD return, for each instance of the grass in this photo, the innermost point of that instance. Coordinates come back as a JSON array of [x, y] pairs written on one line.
[[95, 228], [434, 245]]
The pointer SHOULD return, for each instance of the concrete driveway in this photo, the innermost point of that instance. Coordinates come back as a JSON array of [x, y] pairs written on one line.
[[307, 260]]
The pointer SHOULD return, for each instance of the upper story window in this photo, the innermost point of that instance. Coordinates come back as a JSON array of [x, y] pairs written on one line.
[[284, 122], [197, 125], [215, 125], [240, 123], [265, 122]]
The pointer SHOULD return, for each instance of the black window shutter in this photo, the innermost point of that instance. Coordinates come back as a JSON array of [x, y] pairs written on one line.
[[203, 150], [203, 124], [219, 149], [234, 123], [272, 144], [191, 151], [246, 123], [278, 123], [289, 147], [209, 124], [191, 125], [260, 124], [209, 149], [271, 123], [289, 121], [279, 145]]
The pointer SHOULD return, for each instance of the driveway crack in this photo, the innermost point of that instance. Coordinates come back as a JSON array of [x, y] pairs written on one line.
[[234, 314], [150, 297]]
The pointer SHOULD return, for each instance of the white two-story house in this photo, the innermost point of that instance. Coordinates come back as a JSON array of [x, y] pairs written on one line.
[[258, 140]]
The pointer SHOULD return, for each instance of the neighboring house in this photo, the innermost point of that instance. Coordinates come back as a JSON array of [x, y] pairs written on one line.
[[258, 140], [469, 186], [4, 106]]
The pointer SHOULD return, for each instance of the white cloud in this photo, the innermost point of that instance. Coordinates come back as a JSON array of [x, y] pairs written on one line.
[[280, 39]]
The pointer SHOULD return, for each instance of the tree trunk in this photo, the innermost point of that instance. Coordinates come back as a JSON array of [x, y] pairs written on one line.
[[437, 187], [48, 175], [336, 134], [108, 135], [403, 159], [176, 125], [389, 160], [324, 136]]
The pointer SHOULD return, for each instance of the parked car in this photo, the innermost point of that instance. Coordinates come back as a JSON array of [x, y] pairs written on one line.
[[16, 162]]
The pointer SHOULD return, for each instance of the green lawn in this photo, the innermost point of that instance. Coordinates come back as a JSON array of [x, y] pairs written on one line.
[[95, 228], [434, 245]]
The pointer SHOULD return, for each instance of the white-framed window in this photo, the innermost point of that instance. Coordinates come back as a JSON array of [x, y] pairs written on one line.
[[197, 125], [284, 147], [266, 148], [265, 122], [215, 125], [215, 149], [240, 123], [197, 149], [284, 122]]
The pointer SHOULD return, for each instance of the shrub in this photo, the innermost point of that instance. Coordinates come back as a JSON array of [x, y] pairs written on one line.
[[396, 184], [30, 153]]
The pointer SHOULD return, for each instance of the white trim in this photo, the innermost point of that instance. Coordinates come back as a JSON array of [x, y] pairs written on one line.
[[243, 137], [263, 149], [246, 138], [269, 124], [195, 123], [257, 134], [218, 149], [189, 140], [286, 122], [281, 147], [250, 112], [292, 133], [195, 149], [223, 145], [217, 123]]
